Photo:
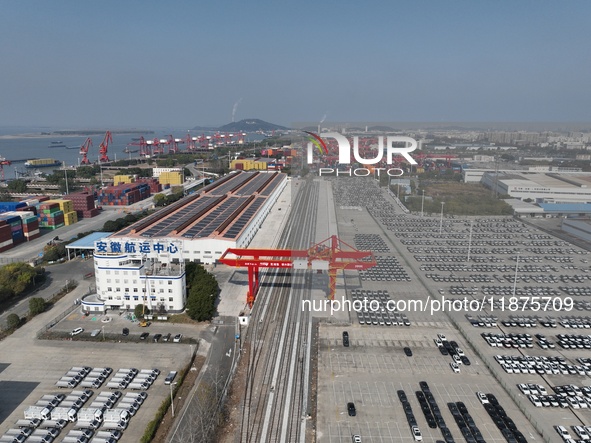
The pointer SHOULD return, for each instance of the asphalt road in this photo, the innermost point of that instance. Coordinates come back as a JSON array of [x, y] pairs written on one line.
[[57, 277]]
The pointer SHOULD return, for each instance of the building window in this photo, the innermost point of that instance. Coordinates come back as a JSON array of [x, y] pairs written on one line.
[[116, 280], [109, 290], [110, 297], [161, 298], [170, 307], [161, 290], [170, 291], [143, 289], [116, 272], [170, 299], [134, 289], [126, 297], [126, 289], [117, 289], [108, 272], [135, 297], [125, 281], [108, 280], [124, 272]]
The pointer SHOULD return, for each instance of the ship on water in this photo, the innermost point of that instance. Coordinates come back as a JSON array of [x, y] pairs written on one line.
[[42, 163], [57, 144]]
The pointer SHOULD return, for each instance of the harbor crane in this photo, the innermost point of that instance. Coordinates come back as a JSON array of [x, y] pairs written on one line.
[[104, 147], [331, 255], [84, 151]]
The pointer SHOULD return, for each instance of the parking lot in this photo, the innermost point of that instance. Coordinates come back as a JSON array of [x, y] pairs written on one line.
[[491, 260], [30, 368]]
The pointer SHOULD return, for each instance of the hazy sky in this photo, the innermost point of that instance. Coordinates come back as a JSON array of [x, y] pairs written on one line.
[[184, 63]]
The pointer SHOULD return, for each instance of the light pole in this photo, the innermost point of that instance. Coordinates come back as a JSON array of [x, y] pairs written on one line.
[[441, 219], [103, 328], [171, 399], [422, 203], [470, 240], [515, 279], [66, 176]]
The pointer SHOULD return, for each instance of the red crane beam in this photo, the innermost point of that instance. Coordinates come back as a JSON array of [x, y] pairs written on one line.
[[329, 255], [104, 147]]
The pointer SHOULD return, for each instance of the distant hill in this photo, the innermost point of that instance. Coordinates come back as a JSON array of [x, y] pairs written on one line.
[[251, 125]]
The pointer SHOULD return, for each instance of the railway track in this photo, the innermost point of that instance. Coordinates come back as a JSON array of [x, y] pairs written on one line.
[[275, 402]]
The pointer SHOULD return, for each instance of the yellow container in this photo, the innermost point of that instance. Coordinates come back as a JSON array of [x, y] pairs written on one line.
[[70, 218]]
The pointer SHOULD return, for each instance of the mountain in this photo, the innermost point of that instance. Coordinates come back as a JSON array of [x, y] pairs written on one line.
[[251, 125]]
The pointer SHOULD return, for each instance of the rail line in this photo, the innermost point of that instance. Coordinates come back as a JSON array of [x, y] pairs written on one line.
[[275, 398]]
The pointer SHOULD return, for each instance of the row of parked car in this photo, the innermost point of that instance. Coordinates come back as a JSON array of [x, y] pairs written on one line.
[[410, 417], [527, 364], [465, 422], [502, 420], [371, 242], [584, 433]]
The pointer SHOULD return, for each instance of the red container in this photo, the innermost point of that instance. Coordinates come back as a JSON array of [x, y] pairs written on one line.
[[33, 237]]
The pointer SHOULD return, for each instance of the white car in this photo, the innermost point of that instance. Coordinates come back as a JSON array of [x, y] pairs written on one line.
[[454, 367], [562, 432], [536, 401], [460, 352], [441, 337], [416, 433], [177, 338], [77, 331], [356, 439], [482, 397]]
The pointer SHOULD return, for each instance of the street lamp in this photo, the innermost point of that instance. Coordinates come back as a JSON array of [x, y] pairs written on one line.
[[422, 203], [441, 219], [171, 399]]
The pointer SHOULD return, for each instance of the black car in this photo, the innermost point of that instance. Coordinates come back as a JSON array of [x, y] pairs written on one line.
[[345, 339], [144, 335], [443, 350], [351, 409], [125, 332], [408, 352], [157, 337], [465, 360]]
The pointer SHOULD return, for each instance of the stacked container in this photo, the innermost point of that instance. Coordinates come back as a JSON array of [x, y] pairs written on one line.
[[50, 215], [83, 205], [11, 206], [171, 178], [119, 179], [155, 186], [30, 225], [67, 207], [5, 236], [16, 227], [124, 195]]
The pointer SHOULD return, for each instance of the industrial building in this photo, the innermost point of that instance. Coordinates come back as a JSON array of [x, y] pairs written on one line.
[[144, 263]]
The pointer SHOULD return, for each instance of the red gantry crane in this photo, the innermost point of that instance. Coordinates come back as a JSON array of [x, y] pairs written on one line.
[[84, 151], [104, 147], [328, 255]]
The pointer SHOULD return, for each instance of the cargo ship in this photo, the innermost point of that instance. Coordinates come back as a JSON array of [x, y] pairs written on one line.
[[58, 144], [42, 163]]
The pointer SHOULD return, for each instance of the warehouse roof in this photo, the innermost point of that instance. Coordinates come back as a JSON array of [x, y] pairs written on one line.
[[224, 208]]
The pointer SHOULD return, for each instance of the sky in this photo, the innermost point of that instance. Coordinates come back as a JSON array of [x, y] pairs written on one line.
[[153, 64]]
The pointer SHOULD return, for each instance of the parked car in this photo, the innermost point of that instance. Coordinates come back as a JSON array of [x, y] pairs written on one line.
[[351, 409], [77, 331]]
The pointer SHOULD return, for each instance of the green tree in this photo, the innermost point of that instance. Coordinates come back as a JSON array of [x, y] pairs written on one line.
[[54, 252], [140, 311], [16, 278], [36, 306], [12, 321], [202, 292], [19, 186], [159, 200]]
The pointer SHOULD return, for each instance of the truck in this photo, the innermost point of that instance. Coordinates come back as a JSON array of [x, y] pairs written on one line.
[[115, 435], [89, 414], [28, 423], [139, 386], [64, 413], [88, 433], [58, 424], [116, 415], [38, 412]]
